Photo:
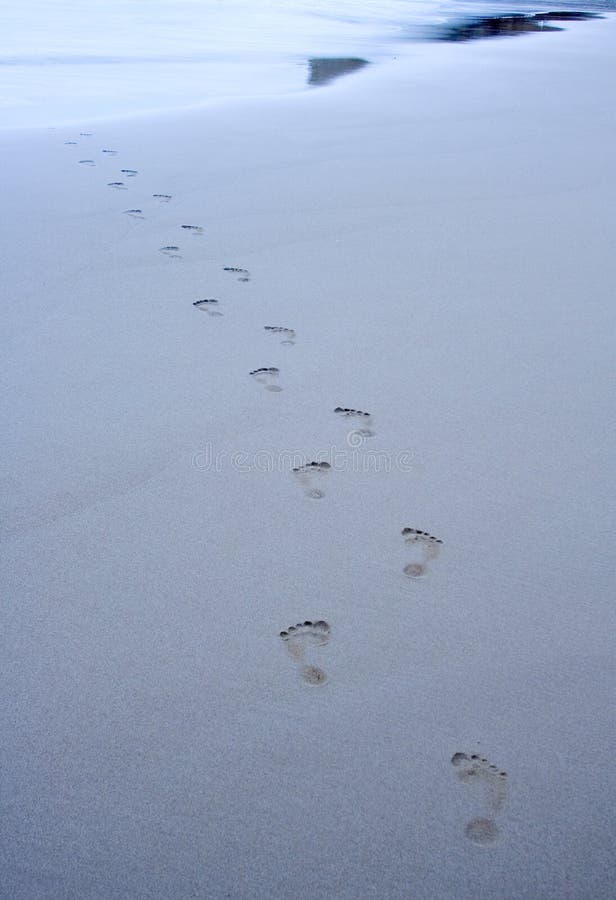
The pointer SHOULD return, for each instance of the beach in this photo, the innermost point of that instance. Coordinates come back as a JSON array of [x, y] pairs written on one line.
[[436, 235]]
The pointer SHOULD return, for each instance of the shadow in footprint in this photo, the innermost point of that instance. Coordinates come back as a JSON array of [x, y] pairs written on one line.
[[244, 274], [287, 334], [474, 769], [424, 547], [87, 162], [193, 229], [358, 435], [302, 637], [209, 306], [268, 377], [310, 477], [162, 198], [172, 251], [134, 213]]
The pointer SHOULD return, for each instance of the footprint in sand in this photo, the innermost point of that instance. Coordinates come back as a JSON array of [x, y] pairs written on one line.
[[268, 377], [425, 547], [243, 273], [110, 152], [130, 173], [287, 334], [172, 251], [134, 213], [87, 162], [310, 475], [118, 185], [162, 198], [474, 769], [209, 306], [301, 637], [193, 229], [364, 419]]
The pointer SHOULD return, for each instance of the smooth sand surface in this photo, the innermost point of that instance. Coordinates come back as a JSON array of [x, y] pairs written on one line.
[[439, 234]]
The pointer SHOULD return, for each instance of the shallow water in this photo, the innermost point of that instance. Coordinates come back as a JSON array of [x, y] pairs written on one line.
[[66, 61]]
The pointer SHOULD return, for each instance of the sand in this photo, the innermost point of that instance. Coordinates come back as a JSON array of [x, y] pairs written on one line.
[[438, 233]]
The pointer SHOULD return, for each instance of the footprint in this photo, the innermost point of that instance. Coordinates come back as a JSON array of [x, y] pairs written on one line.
[[171, 251], [135, 213], [302, 636], [357, 415], [474, 769], [268, 376], [162, 198], [287, 334], [425, 547], [70, 143], [87, 162], [130, 173], [208, 306], [310, 475], [110, 152], [85, 134], [194, 229], [243, 273], [118, 185]]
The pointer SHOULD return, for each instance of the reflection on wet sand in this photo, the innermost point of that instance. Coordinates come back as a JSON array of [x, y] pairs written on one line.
[[502, 26], [323, 70]]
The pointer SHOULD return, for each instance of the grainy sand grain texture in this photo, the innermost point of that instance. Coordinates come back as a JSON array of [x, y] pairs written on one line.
[[439, 236]]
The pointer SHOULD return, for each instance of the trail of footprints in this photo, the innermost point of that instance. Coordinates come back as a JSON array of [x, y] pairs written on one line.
[[305, 640]]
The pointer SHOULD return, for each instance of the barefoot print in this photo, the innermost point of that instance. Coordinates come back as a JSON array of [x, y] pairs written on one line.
[[130, 173], [298, 639], [193, 229], [110, 152], [208, 306], [363, 419], [243, 273], [162, 198], [474, 769], [135, 213], [267, 376], [87, 162], [287, 334], [118, 185], [171, 251], [310, 475], [425, 547]]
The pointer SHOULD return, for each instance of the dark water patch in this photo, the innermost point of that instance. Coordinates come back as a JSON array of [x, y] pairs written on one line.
[[323, 69], [506, 25]]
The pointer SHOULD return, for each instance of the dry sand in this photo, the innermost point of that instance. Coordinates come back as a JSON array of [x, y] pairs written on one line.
[[439, 234]]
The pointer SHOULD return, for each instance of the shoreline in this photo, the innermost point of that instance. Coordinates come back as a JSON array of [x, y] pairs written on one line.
[[322, 70], [440, 248]]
